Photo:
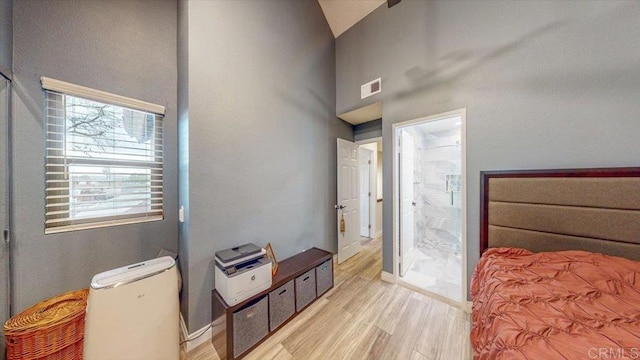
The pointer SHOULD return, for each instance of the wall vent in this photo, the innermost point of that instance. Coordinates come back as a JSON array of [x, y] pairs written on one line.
[[371, 88]]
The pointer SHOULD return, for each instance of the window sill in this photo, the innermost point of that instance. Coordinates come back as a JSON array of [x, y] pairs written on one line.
[[102, 224]]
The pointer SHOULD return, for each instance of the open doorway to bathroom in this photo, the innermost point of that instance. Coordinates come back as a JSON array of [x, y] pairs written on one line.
[[430, 207]]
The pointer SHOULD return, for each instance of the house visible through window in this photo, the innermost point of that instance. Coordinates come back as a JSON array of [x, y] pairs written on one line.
[[103, 161]]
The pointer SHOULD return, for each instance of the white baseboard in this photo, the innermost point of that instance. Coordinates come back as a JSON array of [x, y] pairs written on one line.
[[184, 333], [388, 277], [195, 339], [468, 306]]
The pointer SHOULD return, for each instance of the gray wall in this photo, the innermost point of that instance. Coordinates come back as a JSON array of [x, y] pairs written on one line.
[[127, 48], [4, 205], [183, 149], [6, 36], [369, 130], [6, 51], [545, 84], [262, 134]]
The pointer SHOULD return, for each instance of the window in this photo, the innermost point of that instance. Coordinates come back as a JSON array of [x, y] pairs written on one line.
[[104, 158]]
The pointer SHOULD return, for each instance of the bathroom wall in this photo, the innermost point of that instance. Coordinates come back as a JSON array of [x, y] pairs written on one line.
[[438, 212]]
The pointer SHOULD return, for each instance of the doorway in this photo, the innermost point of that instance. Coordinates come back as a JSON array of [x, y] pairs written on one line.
[[366, 165], [430, 205], [370, 188], [359, 202]]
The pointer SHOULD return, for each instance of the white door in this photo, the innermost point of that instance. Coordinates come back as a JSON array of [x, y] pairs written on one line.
[[407, 203], [348, 200], [365, 192]]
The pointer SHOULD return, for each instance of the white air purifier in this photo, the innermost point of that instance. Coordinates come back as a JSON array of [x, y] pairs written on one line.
[[133, 312]]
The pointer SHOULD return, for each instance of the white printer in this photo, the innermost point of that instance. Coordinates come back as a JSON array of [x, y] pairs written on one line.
[[242, 272]]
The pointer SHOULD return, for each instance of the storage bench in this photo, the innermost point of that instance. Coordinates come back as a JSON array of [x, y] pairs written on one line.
[[300, 280]]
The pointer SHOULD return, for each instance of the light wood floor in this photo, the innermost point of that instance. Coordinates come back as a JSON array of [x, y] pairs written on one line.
[[363, 317]]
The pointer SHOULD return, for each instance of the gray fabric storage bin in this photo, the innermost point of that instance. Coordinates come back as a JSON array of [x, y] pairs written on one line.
[[324, 277], [305, 289], [250, 325], [281, 305]]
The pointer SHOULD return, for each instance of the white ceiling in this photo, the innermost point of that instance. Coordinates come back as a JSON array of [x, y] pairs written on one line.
[[343, 14], [363, 114]]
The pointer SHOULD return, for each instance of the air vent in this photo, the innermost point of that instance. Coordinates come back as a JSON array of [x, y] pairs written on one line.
[[371, 88]]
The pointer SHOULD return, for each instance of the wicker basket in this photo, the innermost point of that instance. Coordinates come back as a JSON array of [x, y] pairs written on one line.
[[53, 329]]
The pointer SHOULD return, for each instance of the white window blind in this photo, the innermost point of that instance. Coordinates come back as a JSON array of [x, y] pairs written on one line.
[[104, 163]]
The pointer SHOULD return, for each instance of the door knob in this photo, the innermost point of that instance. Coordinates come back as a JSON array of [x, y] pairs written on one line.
[[339, 207]]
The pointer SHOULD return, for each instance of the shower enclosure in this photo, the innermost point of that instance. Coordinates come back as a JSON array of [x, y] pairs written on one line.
[[437, 170], [435, 211]]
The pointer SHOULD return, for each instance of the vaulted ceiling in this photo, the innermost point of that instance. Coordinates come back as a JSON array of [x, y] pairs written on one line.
[[343, 14]]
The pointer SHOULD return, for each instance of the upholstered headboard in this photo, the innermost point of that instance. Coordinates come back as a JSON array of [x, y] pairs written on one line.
[[596, 210]]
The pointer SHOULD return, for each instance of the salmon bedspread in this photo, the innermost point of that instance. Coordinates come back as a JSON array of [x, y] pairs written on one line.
[[555, 305]]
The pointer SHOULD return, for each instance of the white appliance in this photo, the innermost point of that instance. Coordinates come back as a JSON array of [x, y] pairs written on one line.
[[241, 272], [133, 312]]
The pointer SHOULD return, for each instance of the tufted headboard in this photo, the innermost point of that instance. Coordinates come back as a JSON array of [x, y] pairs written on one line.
[[596, 210]]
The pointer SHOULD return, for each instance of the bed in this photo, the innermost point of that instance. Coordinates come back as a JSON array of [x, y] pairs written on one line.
[[559, 272]]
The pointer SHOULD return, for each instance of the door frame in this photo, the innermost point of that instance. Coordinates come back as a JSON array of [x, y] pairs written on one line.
[[403, 256], [462, 113], [370, 184], [373, 183]]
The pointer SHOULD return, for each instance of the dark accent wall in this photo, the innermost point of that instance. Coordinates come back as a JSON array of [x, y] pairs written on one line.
[[6, 37], [262, 132], [545, 84], [369, 130], [124, 47]]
